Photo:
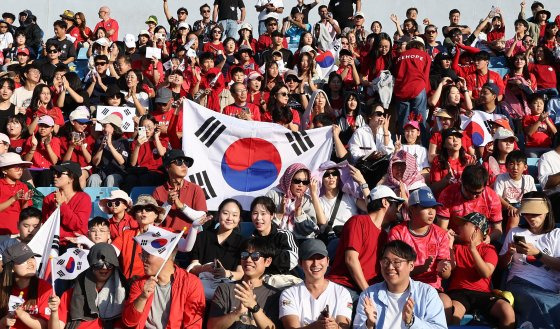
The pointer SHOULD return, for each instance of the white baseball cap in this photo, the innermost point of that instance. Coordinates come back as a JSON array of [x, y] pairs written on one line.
[[80, 114], [383, 191], [503, 133], [4, 138], [129, 40]]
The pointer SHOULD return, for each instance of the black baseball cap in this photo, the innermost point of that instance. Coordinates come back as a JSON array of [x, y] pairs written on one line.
[[451, 132], [68, 166], [18, 253]]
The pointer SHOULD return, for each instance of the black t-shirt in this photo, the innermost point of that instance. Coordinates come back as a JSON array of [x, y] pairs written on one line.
[[66, 47], [4, 114], [341, 10], [304, 9], [227, 9], [207, 248], [47, 70]]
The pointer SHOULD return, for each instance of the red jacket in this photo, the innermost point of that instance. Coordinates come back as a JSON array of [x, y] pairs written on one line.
[[187, 303], [412, 73], [74, 214]]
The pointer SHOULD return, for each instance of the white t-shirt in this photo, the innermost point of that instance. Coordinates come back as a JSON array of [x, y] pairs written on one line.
[[530, 269], [549, 164], [297, 300], [21, 97], [420, 153], [510, 190], [265, 14], [346, 209], [5, 40], [393, 316], [143, 98]]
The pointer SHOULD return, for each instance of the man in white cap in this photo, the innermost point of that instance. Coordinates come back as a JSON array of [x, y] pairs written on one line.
[[356, 264]]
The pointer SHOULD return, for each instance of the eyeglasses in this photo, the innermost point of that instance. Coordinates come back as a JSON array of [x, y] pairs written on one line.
[[296, 181], [102, 264], [397, 263], [333, 173], [284, 94], [115, 203], [60, 174], [217, 32], [431, 31], [255, 256], [379, 113], [179, 162], [205, 11], [100, 63], [52, 51]]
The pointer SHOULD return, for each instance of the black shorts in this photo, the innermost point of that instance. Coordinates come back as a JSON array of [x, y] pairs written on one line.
[[475, 301]]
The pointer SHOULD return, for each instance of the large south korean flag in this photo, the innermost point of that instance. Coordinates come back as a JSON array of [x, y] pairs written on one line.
[[241, 159]]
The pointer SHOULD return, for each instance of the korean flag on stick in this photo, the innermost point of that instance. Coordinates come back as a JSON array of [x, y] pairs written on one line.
[[70, 264], [46, 243], [159, 242]]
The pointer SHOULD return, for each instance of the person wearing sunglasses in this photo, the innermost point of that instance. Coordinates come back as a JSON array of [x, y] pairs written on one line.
[[19, 278], [98, 296], [52, 62], [471, 194], [118, 204], [178, 193], [98, 80], [249, 302], [75, 205], [294, 210], [374, 137]]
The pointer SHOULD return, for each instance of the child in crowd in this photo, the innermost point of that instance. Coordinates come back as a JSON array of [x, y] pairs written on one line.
[[411, 144], [15, 130], [118, 204], [512, 185], [474, 262], [430, 242], [14, 194], [538, 127], [28, 224], [504, 142]]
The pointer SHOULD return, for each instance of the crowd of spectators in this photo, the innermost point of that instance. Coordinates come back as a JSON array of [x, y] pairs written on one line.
[[441, 198]]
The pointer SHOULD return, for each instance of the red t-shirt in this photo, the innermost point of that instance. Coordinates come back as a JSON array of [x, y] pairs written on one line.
[[53, 112], [434, 244], [545, 74], [130, 266], [491, 176], [209, 47], [41, 310], [412, 73], [40, 156], [64, 309], [348, 79], [265, 40], [496, 34], [541, 137], [359, 234], [436, 139], [10, 215], [78, 154], [190, 194], [108, 25], [74, 214], [437, 173], [118, 227], [148, 156], [465, 275], [17, 145], [234, 110], [475, 82], [455, 205]]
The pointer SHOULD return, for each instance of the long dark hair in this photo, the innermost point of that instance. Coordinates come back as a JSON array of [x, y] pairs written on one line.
[[36, 96], [7, 285], [549, 223], [374, 53], [313, 40], [327, 88], [272, 103], [525, 73], [443, 156]]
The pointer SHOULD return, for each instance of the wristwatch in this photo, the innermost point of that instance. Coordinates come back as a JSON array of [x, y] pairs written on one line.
[[364, 186], [255, 309], [408, 325]]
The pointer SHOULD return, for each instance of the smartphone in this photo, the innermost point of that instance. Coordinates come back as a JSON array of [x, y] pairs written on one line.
[[325, 311], [76, 136], [141, 132], [246, 110], [160, 36], [518, 238]]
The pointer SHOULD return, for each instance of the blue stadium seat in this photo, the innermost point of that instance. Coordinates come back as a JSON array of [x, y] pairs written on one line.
[[246, 228], [46, 190], [82, 54], [139, 190], [98, 193], [533, 164], [96, 211]]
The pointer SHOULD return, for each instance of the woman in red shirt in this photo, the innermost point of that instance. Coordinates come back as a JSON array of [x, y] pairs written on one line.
[[19, 279], [449, 164], [146, 156], [215, 46], [538, 128], [379, 58], [41, 104], [76, 144], [75, 205], [43, 150], [14, 195], [543, 69], [85, 32], [15, 129]]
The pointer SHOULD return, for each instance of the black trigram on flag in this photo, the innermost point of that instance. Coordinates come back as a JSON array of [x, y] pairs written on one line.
[[60, 262], [78, 265], [126, 125], [162, 250], [299, 141], [144, 242], [202, 180], [105, 111], [60, 273], [127, 112], [76, 252], [210, 130]]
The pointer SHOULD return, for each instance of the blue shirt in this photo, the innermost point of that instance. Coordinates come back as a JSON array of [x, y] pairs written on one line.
[[295, 33], [428, 308]]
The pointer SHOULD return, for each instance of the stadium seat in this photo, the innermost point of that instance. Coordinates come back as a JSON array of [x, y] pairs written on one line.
[[246, 228], [98, 193], [139, 190], [96, 211], [46, 190], [533, 164], [82, 54]]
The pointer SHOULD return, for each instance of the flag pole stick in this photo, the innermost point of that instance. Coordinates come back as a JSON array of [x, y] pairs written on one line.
[[51, 259], [174, 244]]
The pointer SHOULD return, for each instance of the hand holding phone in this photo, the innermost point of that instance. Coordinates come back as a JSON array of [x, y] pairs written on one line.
[[518, 238], [325, 312], [141, 132]]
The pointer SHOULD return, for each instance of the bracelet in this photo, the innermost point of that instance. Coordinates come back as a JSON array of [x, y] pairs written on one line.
[[465, 91]]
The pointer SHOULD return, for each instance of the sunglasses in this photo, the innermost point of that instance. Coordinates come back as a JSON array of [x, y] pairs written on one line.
[[146, 208], [102, 264], [52, 51], [115, 203], [255, 256], [206, 11], [473, 193], [292, 80], [334, 173], [217, 32], [431, 31], [100, 63], [296, 181], [179, 162], [60, 174], [282, 94], [379, 113]]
